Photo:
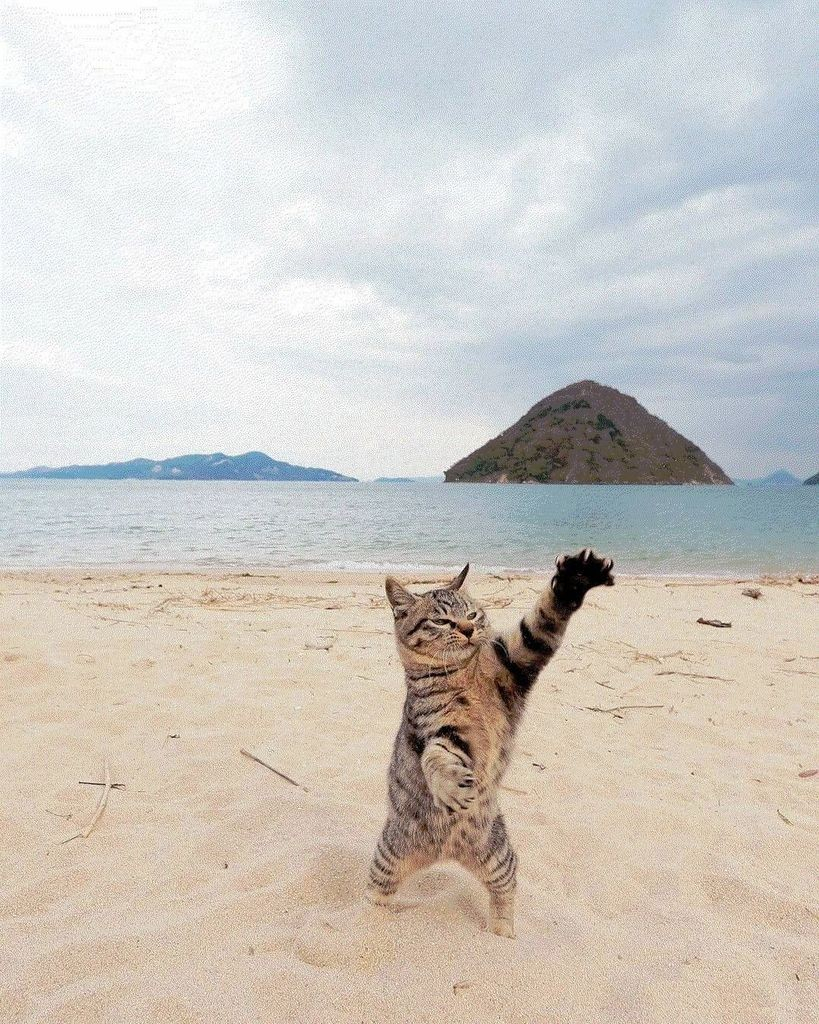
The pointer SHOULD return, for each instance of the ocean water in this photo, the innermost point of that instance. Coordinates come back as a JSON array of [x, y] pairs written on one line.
[[714, 531]]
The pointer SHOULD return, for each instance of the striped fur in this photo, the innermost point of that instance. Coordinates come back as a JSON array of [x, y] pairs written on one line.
[[466, 691]]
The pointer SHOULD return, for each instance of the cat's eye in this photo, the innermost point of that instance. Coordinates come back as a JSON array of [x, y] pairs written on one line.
[[472, 615], [441, 622]]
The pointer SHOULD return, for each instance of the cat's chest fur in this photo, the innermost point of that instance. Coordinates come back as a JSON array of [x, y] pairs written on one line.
[[488, 725]]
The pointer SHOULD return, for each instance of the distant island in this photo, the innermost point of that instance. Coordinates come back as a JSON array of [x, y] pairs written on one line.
[[587, 433], [250, 466], [813, 479], [409, 479], [781, 478]]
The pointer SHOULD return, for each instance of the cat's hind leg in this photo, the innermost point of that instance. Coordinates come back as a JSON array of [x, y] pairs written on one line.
[[396, 857], [493, 862]]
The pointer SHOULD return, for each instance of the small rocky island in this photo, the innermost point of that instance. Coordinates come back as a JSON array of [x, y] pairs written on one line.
[[587, 433]]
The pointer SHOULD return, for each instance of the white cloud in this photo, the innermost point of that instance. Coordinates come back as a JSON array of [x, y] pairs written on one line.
[[30, 356], [366, 242]]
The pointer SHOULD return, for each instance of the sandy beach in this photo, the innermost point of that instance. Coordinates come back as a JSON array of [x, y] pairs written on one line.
[[661, 801]]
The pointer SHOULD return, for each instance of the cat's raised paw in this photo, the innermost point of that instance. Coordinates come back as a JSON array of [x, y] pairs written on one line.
[[577, 574]]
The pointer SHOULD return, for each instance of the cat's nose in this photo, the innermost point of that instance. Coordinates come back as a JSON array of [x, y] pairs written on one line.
[[466, 627]]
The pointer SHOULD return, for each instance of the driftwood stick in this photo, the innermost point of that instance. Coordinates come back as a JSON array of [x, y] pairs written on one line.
[[114, 785], [103, 800], [625, 707], [638, 654], [275, 771], [694, 675], [714, 622]]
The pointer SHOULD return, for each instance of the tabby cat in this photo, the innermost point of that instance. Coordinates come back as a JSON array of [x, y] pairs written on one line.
[[466, 691]]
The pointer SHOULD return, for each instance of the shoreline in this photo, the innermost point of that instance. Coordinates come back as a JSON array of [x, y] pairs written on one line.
[[807, 576]]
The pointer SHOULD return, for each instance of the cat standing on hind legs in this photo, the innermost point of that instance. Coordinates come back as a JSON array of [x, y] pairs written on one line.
[[466, 691]]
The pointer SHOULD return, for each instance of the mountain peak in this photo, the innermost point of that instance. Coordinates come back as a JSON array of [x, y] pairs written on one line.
[[588, 433]]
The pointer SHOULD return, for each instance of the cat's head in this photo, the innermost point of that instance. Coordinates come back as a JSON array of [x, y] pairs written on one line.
[[443, 627]]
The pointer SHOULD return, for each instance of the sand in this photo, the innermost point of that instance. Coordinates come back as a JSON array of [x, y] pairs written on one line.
[[669, 856]]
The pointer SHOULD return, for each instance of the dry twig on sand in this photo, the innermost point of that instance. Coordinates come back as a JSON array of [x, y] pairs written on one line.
[[321, 644], [623, 707], [714, 622], [752, 592], [638, 654], [694, 675], [701, 583], [103, 800], [275, 771]]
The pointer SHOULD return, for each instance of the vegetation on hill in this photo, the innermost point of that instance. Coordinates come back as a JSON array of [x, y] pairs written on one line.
[[588, 434]]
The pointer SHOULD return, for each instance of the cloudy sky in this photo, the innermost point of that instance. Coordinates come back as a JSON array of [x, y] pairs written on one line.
[[368, 236]]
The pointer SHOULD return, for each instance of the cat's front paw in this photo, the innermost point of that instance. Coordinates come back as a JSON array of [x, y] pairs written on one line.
[[577, 574], [455, 790], [451, 783]]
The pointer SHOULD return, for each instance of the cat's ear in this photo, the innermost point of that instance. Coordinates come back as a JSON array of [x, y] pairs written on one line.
[[457, 583], [399, 597]]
